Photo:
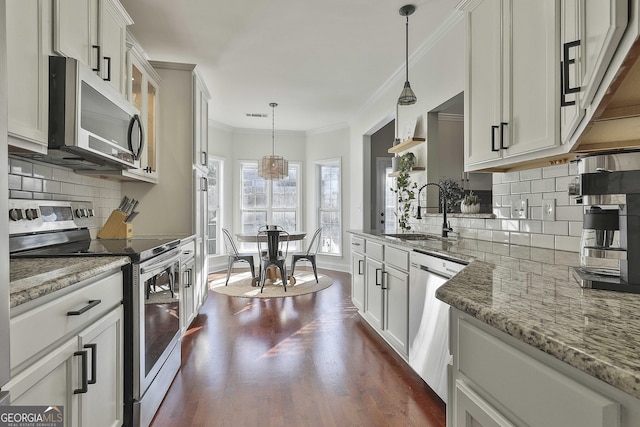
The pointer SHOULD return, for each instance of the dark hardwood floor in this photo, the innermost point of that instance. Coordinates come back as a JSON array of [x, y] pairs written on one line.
[[308, 360]]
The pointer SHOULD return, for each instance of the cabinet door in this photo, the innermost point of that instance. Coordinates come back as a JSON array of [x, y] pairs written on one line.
[[188, 298], [571, 28], [112, 32], [357, 280], [531, 75], [28, 42], [395, 284], [201, 213], [374, 294], [201, 125], [50, 381], [473, 411], [604, 24], [484, 81], [102, 404], [75, 25]]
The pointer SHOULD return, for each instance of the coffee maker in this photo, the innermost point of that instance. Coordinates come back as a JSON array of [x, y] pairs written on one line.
[[609, 187]]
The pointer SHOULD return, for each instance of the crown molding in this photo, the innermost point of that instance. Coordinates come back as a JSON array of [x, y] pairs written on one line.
[[397, 78], [327, 129]]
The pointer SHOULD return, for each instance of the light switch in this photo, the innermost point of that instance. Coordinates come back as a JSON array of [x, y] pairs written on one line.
[[519, 209], [549, 210]]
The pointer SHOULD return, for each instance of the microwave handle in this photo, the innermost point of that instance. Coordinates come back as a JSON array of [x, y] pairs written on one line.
[[136, 152]]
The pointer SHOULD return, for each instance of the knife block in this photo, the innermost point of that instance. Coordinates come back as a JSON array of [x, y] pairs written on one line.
[[115, 227]]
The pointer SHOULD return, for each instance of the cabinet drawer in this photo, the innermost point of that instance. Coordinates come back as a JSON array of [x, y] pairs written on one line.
[[42, 326], [375, 250], [357, 244], [397, 258], [524, 385]]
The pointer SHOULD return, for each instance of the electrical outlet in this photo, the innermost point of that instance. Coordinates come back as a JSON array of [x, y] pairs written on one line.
[[519, 209], [549, 210]]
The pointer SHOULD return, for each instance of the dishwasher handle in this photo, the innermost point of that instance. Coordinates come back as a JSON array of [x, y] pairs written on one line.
[[442, 274]]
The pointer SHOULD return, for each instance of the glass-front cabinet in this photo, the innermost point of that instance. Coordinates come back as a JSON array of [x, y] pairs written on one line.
[[143, 92]]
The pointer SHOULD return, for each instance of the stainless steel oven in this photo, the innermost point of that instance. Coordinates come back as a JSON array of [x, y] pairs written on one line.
[[156, 333]]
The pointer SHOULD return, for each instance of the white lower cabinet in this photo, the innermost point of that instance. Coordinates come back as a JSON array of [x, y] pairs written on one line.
[[380, 290], [357, 280], [189, 301], [500, 381], [81, 370]]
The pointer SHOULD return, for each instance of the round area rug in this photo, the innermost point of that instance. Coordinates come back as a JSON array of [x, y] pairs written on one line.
[[240, 285]]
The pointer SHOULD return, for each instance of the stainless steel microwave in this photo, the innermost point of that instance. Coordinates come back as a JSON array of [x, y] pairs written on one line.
[[91, 125]]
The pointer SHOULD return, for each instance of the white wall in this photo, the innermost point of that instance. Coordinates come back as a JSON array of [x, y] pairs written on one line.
[[325, 145], [436, 76]]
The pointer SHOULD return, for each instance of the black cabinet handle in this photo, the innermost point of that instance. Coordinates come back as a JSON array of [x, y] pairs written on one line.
[[97, 49], [94, 362], [502, 126], [493, 138], [85, 384], [564, 73], [385, 276], [360, 263], [378, 281], [92, 303], [108, 59]]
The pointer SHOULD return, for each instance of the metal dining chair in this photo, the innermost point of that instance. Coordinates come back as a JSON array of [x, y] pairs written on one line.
[[273, 254], [234, 255], [309, 255]]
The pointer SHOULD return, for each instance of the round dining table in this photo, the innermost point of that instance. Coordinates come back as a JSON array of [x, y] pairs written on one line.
[[272, 237]]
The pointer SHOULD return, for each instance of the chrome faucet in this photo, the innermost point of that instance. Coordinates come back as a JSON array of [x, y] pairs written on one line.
[[446, 227]]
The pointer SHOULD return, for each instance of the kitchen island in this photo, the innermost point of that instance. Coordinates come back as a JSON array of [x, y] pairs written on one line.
[[528, 297]]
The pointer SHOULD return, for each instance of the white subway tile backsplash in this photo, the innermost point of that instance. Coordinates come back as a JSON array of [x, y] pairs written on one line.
[[554, 171], [560, 228], [42, 171], [500, 189], [575, 228], [521, 187], [531, 226], [493, 224], [51, 186], [543, 185], [531, 174], [500, 236], [536, 212], [569, 213], [542, 241], [15, 182], [562, 183], [31, 184], [510, 225], [511, 177], [523, 239], [484, 235], [497, 178], [20, 167], [60, 174], [567, 243]]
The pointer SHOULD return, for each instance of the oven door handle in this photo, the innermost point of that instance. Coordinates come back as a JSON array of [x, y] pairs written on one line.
[[162, 264]]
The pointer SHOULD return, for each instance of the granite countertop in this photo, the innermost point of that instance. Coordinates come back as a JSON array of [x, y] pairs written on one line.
[[31, 278], [530, 294]]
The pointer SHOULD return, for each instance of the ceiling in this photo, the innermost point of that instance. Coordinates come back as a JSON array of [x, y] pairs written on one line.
[[321, 61]]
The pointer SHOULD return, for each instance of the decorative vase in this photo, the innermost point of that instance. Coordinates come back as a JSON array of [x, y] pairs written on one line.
[[395, 164], [469, 209]]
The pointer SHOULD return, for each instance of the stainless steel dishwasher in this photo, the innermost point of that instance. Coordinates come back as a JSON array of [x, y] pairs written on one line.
[[429, 317]]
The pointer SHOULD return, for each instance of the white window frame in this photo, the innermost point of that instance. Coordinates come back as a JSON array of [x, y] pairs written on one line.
[[294, 245], [318, 165]]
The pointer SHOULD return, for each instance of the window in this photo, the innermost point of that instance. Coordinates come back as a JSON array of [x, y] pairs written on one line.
[[269, 202], [214, 192], [329, 206]]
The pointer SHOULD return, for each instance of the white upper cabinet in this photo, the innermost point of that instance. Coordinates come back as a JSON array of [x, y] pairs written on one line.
[[201, 123], [591, 31], [28, 48], [512, 81], [94, 32]]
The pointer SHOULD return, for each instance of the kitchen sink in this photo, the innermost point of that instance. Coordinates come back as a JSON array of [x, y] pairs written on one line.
[[411, 236]]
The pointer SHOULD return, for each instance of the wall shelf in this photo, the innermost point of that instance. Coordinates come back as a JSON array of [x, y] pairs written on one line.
[[412, 170], [406, 144]]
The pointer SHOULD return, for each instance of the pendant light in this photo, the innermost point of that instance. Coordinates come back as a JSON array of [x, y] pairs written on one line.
[[273, 167], [407, 96]]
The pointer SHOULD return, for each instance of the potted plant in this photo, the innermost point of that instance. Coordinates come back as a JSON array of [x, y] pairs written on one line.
[[470, 203], [452, 193], [405, 191]]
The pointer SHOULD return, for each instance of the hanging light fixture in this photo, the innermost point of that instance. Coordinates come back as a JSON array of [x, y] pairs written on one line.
[[407, 96], [273, 167]]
